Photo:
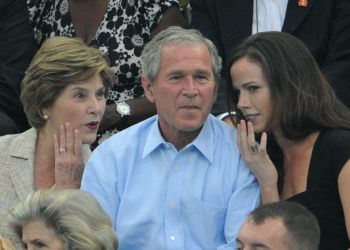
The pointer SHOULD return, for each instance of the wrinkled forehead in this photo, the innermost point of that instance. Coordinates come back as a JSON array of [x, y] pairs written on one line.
[[195, 46], [197, 53]]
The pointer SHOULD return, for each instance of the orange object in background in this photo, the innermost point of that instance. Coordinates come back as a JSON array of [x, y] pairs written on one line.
[[302, 3]]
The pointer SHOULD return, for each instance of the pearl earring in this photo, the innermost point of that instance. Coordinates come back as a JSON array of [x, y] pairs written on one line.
[[46, 117]]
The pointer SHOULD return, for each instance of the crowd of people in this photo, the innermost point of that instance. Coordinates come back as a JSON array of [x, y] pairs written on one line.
[[195, 124]]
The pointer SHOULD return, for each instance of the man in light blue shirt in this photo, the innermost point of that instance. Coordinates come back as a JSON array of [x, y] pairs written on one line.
[[176, 180]]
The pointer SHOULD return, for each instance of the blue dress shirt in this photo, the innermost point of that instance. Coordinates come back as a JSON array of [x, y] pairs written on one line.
[[159, 198]]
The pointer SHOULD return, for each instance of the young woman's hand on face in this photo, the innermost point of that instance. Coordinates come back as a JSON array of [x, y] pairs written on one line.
[[69, 160], [259, 164]]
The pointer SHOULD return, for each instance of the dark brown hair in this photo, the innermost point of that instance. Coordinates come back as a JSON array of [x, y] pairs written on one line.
[[302, 100]]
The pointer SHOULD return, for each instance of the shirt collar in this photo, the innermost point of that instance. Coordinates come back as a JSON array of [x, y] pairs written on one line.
[[154, 139], [204, 141]]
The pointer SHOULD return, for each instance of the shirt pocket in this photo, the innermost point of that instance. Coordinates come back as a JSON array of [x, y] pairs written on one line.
[[210, 220]]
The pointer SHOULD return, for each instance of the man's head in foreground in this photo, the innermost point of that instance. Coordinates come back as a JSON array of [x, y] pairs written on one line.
[[279, 226], [181, 72]]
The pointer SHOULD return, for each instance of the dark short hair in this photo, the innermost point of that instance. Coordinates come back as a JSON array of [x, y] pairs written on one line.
[[302, 100], [301, 225], [59, 62], [74, 215]]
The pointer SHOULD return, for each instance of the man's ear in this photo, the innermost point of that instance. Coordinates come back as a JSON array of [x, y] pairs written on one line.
[[148, 88]]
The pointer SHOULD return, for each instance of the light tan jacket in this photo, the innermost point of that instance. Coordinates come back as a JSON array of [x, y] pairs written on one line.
[[17, 174]]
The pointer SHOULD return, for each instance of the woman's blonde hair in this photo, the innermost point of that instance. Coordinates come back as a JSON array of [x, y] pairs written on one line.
[[74, 216], [59, 62]]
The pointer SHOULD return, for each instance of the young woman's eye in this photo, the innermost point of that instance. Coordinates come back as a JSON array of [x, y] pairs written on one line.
[[253, 88]]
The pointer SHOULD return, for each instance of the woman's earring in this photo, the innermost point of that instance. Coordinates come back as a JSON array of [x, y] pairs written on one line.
[[46, 117]]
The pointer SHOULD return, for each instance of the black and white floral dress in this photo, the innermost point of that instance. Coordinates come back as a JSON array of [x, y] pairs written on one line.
[[122, 34]]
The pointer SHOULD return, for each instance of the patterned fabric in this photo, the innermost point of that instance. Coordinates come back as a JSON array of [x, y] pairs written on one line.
[[125, 29], [17, 174]]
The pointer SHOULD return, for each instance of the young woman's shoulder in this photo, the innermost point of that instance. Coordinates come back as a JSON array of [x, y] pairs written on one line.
[[333, 145]]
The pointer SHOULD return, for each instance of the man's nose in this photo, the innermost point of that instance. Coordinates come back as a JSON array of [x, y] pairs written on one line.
[[190, 87]]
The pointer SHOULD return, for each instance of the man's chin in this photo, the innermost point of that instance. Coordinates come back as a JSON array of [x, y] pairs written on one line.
[[191, 127]]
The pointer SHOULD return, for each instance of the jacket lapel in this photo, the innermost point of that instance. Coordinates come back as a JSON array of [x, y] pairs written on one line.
[[295, 15], [233, 30], [22, 172], [22, 178]]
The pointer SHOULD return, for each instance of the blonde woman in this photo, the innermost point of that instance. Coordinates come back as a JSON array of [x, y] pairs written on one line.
[[63, 94], [62, 220]]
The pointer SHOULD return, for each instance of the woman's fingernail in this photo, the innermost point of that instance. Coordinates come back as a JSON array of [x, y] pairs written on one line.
[[62, 127], [67, 125], [76, 132]]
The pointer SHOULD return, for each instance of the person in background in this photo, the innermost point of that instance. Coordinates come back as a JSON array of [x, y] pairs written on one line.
[[186, 10], [120, 29], [63, 94], [175, 180], [62, 220], [323, 26], [278, 91], [17, 49], [279, 226]]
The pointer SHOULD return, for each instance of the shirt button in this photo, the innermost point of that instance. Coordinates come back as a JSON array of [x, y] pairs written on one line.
[[172, 237], [273, 1], [167, 145], [276, 29], [172, 203], [176, 168]]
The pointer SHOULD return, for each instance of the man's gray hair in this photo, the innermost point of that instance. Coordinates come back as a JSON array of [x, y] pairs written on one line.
[[150, 58]]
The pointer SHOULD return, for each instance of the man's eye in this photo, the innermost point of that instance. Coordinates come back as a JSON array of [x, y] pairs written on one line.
[[201, 77], [175, 78]]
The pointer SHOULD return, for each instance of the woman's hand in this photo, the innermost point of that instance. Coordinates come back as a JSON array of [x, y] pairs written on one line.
[[259, 164], [69, 163]]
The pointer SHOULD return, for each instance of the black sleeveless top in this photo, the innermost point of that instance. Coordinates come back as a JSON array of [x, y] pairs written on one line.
[[330, 152]]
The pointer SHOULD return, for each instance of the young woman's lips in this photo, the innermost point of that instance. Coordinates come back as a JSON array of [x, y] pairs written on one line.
[[92, 125], [251, 118]]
